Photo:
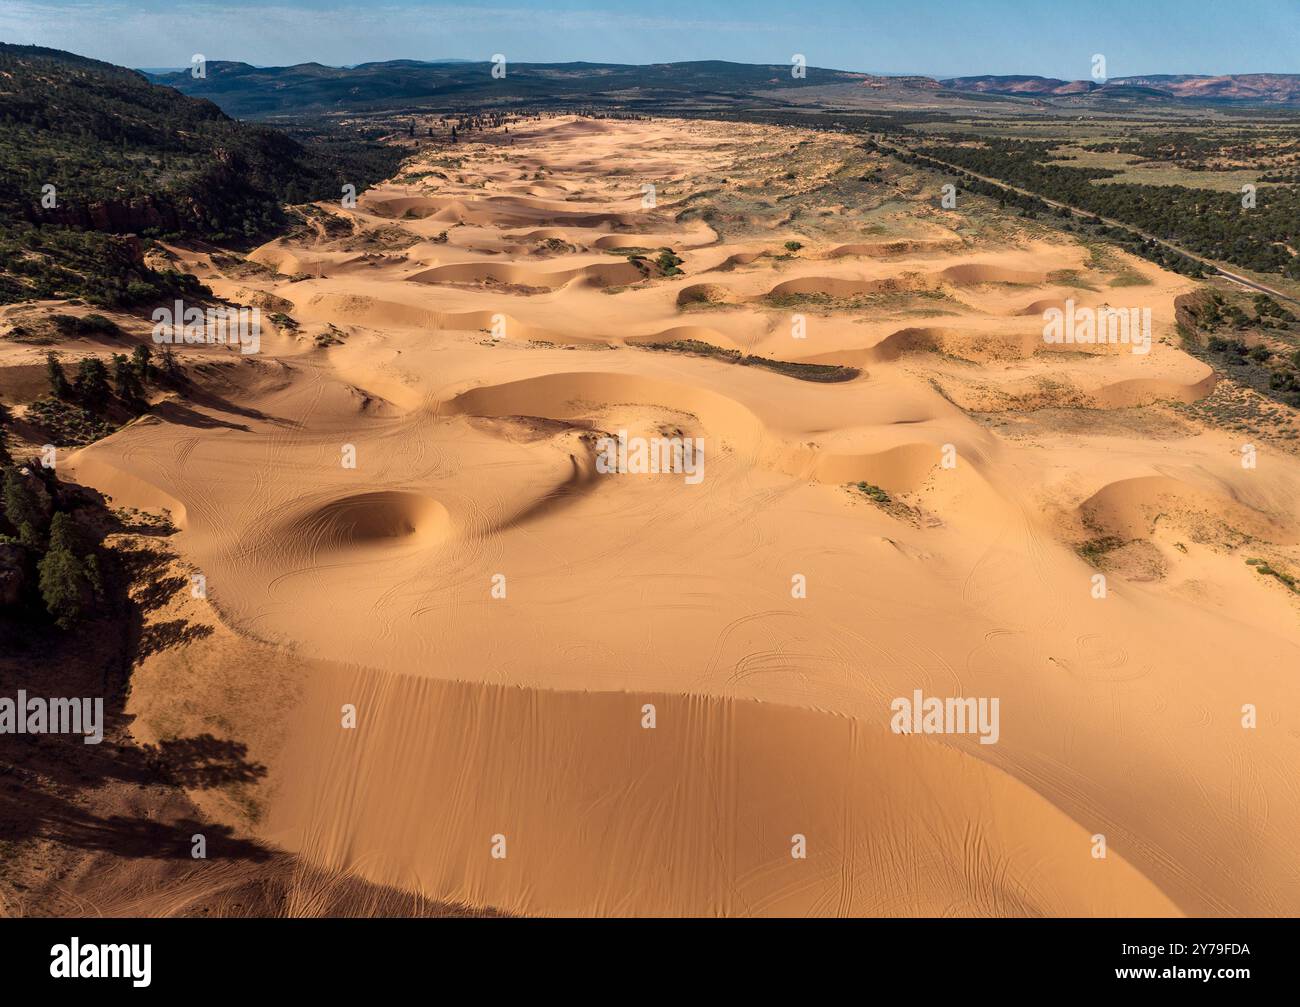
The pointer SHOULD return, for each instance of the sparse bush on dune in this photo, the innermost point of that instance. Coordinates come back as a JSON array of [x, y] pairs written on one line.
[[827, 373], [804, 372], [67, 423], [1268, 570], [668, 262], [872, 492]]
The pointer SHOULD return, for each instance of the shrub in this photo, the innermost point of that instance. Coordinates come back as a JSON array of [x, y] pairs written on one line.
[[874, 492], [668, 262]]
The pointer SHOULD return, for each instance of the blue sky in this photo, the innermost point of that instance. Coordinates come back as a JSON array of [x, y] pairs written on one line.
[[939, 37]]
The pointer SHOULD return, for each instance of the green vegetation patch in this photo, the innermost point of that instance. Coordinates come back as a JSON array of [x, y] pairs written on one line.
[[1094, 550], [873, 492], [828, 373], [66, 422], [1263, 567]]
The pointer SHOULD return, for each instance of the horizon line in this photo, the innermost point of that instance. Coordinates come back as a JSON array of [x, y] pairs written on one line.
[[683, 62]]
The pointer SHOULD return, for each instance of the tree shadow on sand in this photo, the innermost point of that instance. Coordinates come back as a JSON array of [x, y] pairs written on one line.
[[117, 796], [46, 784], [182, 415], [161, 635]]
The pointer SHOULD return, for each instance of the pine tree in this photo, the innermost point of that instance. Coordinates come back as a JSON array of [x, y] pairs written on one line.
[[54, 372], [91, 383], [142, 361], [64, 533], [21, 508], [126, 382], [5, 457], [65, 585], [170, 363]]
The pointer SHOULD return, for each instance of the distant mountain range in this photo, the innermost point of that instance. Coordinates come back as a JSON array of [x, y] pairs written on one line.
[[253, 92], [1261, 88], [263, 92]]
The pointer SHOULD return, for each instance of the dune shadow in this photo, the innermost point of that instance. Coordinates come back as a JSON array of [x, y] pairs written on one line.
[[185, 416]]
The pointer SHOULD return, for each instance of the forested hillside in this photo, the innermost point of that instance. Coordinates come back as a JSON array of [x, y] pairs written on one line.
[[125, 156]]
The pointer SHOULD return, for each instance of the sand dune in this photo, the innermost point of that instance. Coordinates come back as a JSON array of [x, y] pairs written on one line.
[[1141, 391], [905, 246], [289, 263], [695, 817], [695, 333], [374, 312], [690, 235], [513, 211], [1131, 508], [498, 612], [601, 274], [976, 272], [738, 259]]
